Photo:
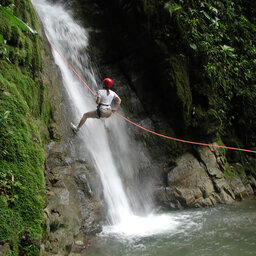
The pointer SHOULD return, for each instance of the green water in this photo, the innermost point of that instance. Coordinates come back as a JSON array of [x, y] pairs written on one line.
[[221, 231]]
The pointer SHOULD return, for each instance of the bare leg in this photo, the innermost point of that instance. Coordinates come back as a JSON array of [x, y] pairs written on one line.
[[86, 115], [82, 121]]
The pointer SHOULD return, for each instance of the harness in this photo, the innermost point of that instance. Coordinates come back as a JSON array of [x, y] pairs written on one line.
[[98, 108]]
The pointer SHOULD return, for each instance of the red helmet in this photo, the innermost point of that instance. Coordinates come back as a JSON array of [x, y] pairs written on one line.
[[108, 82]]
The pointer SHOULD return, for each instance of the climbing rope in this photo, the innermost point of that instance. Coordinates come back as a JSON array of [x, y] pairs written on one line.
[[72, 68], [145, 129]]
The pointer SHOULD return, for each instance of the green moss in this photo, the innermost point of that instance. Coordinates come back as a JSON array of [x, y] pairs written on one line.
[[15, 36], [234, 170], [206, 122], [228, 172], [220, 142], [23, 47], [7, 2], [180, 77], [5, 28], [23, 105], [31, 250], [239, 168], [24, 157]]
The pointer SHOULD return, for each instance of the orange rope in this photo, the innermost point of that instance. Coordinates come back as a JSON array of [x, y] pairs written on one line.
[[184, 141], [145, 129], [72, 68]]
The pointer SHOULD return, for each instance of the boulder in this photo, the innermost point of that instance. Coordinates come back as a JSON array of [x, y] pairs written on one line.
[[190, 174]]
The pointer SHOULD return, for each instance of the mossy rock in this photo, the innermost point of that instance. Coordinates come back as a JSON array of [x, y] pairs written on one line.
[[25, 99], [205, 123], [180, 77]]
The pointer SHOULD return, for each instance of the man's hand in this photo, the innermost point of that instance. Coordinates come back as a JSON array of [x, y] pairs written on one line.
[[98, 100]]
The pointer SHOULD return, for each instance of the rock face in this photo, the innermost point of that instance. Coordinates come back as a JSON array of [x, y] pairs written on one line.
[[74, 209], [198, 180], [192, 177]]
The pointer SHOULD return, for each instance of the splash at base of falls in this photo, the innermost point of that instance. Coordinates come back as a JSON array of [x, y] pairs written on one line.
[[137, 226], [134, 228], [223, 230]]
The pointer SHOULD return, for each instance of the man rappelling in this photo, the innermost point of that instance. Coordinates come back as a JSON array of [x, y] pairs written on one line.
[[104, 99]]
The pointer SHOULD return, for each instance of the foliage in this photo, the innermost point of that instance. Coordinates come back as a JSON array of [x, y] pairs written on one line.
[[213, 95], [1, 38], [220, 40], [222, 37], [172, 7]]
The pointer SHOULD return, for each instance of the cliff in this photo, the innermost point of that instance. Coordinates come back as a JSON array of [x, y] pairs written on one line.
[[191, 65], [186, 70]]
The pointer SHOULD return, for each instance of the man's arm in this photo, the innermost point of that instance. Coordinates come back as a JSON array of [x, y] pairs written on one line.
[[118, 102]]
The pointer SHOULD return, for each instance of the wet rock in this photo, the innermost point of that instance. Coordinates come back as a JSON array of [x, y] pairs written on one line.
[[199, 182], [91, 226], [83, 182], [57, 155], [76, 248], [252, 182], [166, 197], [190, 174], [70, 207], [185, 197], [240, 189], [225, 198], [208, 157]]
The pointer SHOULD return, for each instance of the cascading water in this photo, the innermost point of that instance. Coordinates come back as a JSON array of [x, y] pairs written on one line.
[[226, 230], [71, 40]]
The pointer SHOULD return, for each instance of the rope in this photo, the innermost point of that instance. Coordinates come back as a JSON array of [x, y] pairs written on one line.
[[184, 141], [145, 129], [72, 68]]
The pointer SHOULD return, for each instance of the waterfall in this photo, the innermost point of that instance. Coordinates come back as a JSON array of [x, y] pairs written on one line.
[[98, 140]]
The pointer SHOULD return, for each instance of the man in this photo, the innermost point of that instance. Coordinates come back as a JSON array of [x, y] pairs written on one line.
[[104, 100]]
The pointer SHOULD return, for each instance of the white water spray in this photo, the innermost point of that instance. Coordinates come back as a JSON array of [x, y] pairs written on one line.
[[71, 40]]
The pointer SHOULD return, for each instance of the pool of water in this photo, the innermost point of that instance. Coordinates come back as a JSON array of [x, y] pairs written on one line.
[[228, 230]]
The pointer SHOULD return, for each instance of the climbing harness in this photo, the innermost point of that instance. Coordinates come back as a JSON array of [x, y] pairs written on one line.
[[102, 104], [141, 127], [98, 109]]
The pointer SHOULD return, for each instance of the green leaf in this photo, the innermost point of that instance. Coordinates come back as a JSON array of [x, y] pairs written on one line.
[[206, 15], [213, 9], [6, 114], [1, 38], [227, 48], [172, 7], [17, 21], [193, 46]]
